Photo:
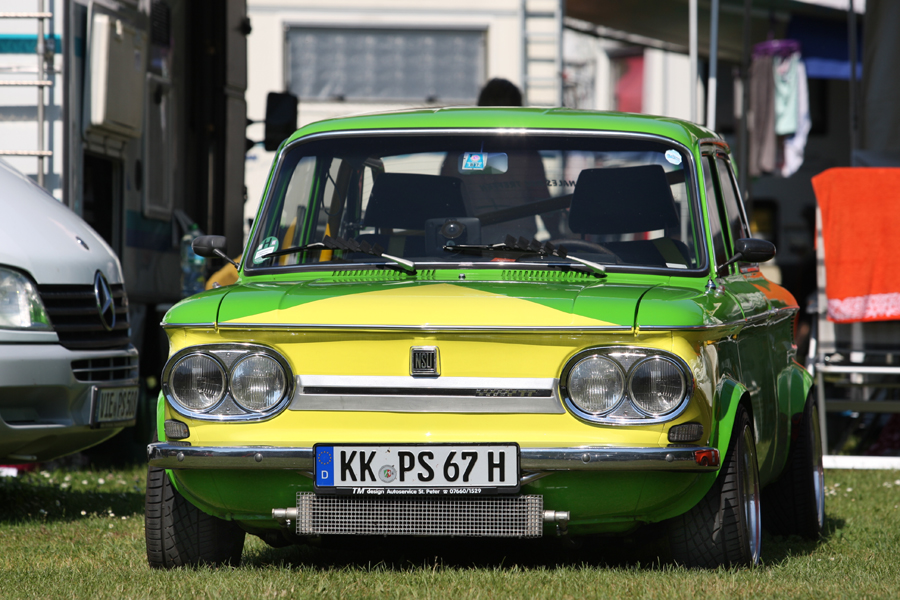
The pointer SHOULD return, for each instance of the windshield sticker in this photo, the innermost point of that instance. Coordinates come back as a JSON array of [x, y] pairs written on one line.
[[473, 161], [265, 248], [673, 157]]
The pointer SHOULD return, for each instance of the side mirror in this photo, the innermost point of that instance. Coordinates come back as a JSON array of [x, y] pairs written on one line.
[[753, 250], [207, 245], [281, 119], [210, 246]]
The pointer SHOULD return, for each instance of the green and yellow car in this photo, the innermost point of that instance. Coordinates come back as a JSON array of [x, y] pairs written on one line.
[[489, 322]]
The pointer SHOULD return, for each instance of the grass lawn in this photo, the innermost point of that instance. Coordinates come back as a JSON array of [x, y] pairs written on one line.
[[81, 534]]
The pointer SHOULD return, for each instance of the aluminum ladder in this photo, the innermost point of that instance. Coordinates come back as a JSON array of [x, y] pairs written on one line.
[[42, 83], [542, 53]]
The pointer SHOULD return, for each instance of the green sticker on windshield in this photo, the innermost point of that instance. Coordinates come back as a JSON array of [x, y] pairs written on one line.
[[265, 248]]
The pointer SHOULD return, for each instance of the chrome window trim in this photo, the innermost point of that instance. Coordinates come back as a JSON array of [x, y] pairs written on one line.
[[647, 353], [215, 351], [168, 455], [702, 251]]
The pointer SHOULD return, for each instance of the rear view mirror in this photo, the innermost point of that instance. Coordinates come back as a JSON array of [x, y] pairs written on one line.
[[281, 119]]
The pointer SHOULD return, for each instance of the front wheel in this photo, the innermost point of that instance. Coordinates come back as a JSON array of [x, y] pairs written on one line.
[[795, 502], [724, 528], [180, 534]]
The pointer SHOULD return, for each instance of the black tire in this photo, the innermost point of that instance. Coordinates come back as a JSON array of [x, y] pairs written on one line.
[[795, 503], [724, 527], [179, 534]]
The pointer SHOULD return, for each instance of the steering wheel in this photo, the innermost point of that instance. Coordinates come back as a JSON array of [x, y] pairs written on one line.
[[585, 246]]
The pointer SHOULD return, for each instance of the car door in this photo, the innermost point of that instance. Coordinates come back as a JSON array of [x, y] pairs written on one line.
[[753, 340]]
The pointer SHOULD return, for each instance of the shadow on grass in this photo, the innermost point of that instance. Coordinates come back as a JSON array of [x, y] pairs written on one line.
[[29, 498], [643, 550]]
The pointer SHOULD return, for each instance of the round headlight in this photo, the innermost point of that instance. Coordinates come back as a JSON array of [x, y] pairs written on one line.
[[197, 382], [596, 384], [657, 386], [258, 383]]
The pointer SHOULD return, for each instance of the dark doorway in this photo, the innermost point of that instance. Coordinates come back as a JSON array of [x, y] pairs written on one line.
[[100, 206]]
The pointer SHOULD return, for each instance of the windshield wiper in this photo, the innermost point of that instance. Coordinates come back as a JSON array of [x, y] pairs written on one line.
[[350, 245], [523, 245]]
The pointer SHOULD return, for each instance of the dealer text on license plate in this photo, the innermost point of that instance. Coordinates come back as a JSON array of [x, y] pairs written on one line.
[[116, 404], [425, 466]]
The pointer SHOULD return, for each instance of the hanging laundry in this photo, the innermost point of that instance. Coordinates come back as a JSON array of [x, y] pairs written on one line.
[[763, 147], [784, 72], [795, 145]]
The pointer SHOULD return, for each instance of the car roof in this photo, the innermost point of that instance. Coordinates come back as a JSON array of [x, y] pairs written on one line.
[[679, 130]]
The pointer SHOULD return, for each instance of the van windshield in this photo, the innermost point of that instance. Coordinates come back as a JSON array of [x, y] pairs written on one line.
[[614, 201]]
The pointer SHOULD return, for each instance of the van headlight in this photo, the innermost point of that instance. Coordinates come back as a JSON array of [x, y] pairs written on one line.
[[20, 304], [626, 385], [228, 382]]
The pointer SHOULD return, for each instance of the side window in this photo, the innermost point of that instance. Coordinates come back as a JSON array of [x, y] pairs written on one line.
[[715, 222], [730, 197]]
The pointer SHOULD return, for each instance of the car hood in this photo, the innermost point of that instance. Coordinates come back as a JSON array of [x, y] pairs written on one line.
[[39, 235], [416, 303]]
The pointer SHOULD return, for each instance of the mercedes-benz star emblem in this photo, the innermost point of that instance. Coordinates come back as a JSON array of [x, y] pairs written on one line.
[[105, 304]]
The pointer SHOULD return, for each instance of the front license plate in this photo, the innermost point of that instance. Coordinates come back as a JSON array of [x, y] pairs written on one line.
[[114, 405], [418, 469]]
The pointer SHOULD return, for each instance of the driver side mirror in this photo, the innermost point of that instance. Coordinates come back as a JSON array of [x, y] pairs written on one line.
[[754, 250], [750, 250]]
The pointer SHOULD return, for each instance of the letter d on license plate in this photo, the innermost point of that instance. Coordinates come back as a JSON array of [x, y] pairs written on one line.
[[464, 468]]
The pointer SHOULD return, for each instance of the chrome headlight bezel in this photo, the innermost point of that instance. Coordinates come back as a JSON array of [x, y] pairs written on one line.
[[626, 411], [227, 408]]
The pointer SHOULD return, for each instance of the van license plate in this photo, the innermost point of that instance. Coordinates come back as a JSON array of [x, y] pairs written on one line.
[[115, 405]]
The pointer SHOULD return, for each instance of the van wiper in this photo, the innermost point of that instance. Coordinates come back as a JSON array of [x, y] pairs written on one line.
[[523, 245], [349, 245]]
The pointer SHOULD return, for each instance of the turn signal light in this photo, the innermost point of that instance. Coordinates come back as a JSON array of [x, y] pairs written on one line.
[[686, 432], [707, 458], [176, 430]]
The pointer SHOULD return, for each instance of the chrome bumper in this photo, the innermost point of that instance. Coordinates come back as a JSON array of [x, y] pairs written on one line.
[[172, 456]]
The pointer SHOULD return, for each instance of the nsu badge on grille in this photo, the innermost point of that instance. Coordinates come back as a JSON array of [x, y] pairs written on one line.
[[424, 360]]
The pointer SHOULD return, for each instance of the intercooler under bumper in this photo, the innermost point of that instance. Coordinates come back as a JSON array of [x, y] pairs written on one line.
[[507, 517]]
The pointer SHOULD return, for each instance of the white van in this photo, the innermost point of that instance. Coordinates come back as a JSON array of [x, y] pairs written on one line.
[[68, 370]]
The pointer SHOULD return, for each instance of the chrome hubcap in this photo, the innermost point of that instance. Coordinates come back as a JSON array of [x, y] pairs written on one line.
[[751, 495]]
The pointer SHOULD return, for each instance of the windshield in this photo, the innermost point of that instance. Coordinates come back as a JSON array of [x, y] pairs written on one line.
[[619, 202]]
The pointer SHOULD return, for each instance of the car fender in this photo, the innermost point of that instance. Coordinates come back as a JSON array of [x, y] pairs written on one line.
[[729, 396], [801, 384]]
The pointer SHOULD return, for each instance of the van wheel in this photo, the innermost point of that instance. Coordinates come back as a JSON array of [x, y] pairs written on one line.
[[795, 502], [724, 528], [180, 534]]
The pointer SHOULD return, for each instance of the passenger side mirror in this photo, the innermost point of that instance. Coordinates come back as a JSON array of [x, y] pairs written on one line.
[[750, 250], [281, 119], [210, 246]]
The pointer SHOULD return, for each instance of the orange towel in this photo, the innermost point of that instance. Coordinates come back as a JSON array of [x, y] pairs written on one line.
[[860, 230]]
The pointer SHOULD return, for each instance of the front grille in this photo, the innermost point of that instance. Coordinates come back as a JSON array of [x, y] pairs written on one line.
[[112, 368], [75, 318], [513, 516]]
